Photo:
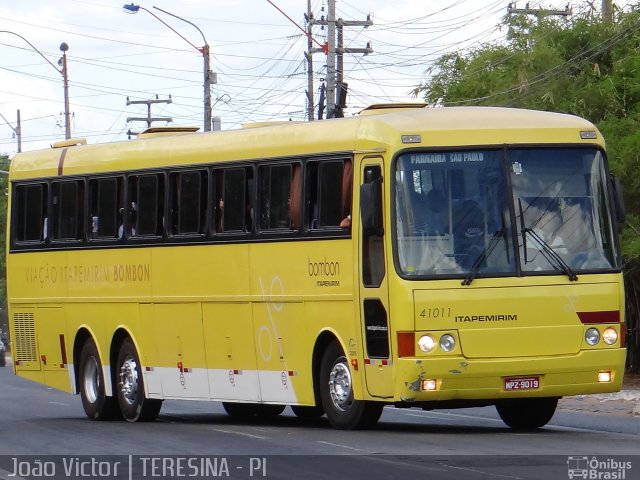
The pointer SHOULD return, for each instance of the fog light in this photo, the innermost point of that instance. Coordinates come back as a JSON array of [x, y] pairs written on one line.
[[604, 377], [426, 343], [447, 342], [592, 336], [430, 384], [610, 336]]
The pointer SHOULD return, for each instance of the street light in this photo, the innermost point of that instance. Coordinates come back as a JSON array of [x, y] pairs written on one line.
[[63, 71], [208, 75], [63, 63]]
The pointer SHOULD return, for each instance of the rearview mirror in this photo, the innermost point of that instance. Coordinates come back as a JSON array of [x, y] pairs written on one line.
[[371, 207]]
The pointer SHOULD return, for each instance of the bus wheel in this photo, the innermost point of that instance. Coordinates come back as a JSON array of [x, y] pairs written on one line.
[[304, 411], [240, 410], [527, 413], [131, 396], [336, 392], [96, 404]]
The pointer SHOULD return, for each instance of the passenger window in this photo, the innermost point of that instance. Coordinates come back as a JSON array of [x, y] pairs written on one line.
[[31, 208], [67, 201], [276, 196], [329, 194], [105, 202], [146, 205], [233, 211], [189, 199]]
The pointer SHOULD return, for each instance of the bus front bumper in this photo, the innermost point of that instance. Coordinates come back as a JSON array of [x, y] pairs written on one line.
[[457, 378]]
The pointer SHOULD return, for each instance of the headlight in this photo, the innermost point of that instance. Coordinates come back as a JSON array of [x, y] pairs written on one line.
[[610, 336], [592, 336], [447, 342], [426, 343]]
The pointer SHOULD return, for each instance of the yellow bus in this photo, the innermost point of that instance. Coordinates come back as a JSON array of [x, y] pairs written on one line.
[[406, 256]]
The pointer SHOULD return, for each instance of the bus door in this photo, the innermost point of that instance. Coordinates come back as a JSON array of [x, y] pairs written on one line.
[[374, 295]]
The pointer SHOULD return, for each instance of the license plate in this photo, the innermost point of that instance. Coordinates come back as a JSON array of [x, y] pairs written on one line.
[[522, 383]]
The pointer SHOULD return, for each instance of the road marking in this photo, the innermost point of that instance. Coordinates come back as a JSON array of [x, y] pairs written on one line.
[[4, 475], [259, 437], [342, 446], [60, 404], [447, 414]]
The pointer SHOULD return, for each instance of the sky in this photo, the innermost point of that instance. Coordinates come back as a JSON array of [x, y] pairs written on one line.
[[256, 52]]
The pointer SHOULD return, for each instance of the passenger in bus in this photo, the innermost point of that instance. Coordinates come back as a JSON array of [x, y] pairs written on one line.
[[132, 220], [430, 214], [468, 232], [546, 220]]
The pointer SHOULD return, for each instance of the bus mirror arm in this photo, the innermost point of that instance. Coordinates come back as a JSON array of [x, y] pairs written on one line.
[[618, 199]]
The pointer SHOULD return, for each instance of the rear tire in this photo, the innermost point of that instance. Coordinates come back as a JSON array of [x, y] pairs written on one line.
[[527, 413], [336, 392], [95, 402], [134, 405]]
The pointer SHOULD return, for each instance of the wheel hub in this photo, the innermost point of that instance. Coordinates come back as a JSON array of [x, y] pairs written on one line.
[[129, 380], [340, 386], [91, 380]]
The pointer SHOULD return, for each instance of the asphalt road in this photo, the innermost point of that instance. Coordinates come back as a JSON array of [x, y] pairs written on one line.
[[36, 421]]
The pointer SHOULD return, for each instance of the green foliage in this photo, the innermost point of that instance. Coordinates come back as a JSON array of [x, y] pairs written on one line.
[[583, 67]]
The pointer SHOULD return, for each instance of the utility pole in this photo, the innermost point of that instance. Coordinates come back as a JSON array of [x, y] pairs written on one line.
[[512, 9], [335, 79], [65, 77], [607, 11], [17, 130], [309, 57], [148, 119]]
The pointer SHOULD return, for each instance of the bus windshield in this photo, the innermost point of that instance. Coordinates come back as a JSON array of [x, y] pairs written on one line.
[[453, 213]]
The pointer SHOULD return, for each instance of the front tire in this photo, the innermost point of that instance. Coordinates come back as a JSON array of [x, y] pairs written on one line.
[[131, 395], [95, 402], [336, 392], [527, 413]]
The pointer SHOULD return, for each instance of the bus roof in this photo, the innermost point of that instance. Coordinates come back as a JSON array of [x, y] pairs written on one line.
[[380, 129]]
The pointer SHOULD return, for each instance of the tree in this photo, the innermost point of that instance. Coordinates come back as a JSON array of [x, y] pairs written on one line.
[[586, 68]]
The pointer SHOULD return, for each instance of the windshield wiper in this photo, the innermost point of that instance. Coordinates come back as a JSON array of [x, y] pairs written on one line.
[[475, 268], [550, 254]]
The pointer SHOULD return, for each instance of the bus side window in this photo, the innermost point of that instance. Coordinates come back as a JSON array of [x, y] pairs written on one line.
[[295, 197], [31, 213], [188, 202], [274, 196], [146, 205], [68, 200], [371, 208], [232, 200], [329, 194], [104, 199]]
